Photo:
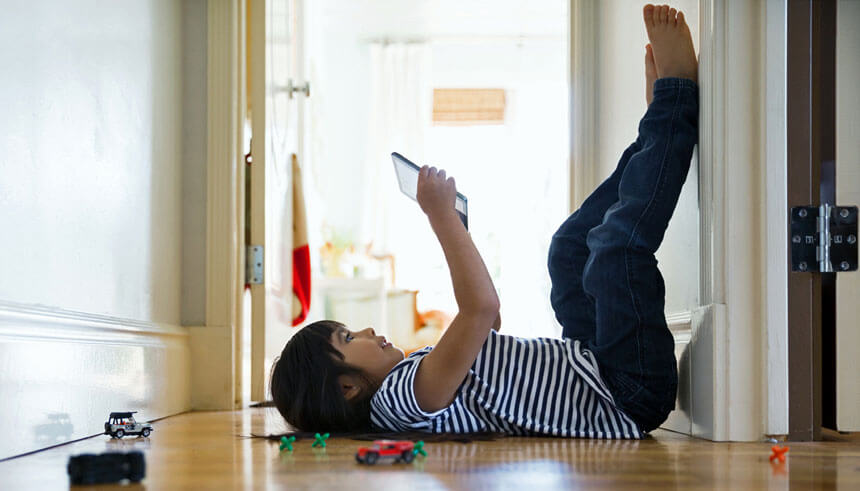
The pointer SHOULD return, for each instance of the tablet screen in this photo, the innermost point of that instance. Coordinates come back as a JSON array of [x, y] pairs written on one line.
[[407, 177]]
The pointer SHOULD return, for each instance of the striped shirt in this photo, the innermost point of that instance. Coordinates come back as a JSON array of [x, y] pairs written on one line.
[[518, 386]]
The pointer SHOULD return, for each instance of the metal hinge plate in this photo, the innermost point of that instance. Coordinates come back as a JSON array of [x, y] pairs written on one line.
[[254, 264], [824, 238]]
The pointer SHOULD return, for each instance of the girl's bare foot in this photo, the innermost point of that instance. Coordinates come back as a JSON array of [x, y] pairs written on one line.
[[674, 55], [650, 73]]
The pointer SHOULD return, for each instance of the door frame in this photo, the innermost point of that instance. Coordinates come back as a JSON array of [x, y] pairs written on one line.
[[215, 367], [271, 300], [811, 110]]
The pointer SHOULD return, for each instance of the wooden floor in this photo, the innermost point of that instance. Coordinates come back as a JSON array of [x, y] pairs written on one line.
[[209, 450]]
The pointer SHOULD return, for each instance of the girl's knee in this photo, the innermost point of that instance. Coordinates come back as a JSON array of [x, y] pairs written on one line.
[[565, 253], [571, 227], [604, 270]]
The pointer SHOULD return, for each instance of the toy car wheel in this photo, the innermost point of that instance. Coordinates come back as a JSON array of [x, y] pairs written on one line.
[[119, 433], [145, 432], [371, 457], [407, 456]]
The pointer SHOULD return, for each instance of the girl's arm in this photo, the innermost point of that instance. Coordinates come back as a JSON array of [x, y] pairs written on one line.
[[443, 370]]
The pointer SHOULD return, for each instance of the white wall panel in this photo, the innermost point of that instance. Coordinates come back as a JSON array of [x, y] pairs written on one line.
[[90, 157], [91, 216]]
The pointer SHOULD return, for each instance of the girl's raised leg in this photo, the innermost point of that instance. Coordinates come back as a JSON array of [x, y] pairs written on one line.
[[568, 253], [568, 250], [633, 346]]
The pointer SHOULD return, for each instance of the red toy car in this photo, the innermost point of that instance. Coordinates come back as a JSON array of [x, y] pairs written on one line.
[[398, 450]]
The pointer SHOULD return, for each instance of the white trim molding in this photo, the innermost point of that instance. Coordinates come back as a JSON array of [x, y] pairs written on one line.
[[42, 323], [727, 349], [215, 381], [582, 105], [680, 324], [63, 372], [776, 189]]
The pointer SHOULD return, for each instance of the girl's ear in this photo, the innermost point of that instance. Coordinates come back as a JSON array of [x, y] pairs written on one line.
[[350, 385]]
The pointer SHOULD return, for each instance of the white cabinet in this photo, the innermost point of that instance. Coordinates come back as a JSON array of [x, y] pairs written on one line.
[[366, 302]]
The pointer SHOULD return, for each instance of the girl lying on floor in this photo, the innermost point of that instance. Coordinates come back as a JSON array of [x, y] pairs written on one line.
[[612, 375]]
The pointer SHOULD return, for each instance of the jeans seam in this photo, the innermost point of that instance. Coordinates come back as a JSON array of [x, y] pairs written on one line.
[[648, 209]]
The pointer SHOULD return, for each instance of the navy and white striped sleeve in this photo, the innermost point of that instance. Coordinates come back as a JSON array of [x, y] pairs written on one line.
[[394, 406]]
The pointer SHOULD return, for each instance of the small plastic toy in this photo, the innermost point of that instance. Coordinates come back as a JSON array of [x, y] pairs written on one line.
[[419, 448], [396, 450], [287, 443], [106, 467], [778, 453], [319, 440], [120, 424]]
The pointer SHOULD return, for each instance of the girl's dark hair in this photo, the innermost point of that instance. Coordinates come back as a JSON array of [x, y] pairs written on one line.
[[305, 386]]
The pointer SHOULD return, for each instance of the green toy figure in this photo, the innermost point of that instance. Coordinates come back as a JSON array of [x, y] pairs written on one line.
[[419, 448], [287, 443], [319, 440]]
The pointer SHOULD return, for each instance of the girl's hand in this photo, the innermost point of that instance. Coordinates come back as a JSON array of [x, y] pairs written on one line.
[[436, 194]]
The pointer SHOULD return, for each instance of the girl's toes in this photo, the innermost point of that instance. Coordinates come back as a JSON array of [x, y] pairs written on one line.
[[648, 14], [664, 13], [672, 14]]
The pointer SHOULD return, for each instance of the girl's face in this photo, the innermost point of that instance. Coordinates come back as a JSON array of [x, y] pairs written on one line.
[[365, 350]]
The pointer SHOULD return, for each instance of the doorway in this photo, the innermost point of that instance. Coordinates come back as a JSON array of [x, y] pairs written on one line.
[[477, 88]]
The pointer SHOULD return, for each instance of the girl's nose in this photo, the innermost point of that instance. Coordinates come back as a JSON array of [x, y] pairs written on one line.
[[372, 333]]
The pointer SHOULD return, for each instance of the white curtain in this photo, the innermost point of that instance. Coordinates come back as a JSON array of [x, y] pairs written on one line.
[[400, 111]]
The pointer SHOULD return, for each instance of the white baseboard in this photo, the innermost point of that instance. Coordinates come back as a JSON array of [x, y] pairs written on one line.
[[708, 374], [62, 372], [681, 326]]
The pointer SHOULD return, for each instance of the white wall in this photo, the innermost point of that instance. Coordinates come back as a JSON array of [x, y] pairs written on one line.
[[91, 216], [620, 105], [90, 157]]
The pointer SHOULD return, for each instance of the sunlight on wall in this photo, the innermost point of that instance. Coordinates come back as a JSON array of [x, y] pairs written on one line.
[[515, 175]]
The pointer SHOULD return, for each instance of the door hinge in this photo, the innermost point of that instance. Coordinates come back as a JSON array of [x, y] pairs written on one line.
[[824, 238], [254, 264]]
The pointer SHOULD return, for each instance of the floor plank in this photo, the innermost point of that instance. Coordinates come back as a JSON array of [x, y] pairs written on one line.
[[207, 450]]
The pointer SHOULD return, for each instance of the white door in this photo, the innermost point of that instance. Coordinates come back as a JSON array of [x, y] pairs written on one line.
[[274, 55], [847, 194]]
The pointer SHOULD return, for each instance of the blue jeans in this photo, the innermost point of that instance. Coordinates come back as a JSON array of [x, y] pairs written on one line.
[[606, 288]]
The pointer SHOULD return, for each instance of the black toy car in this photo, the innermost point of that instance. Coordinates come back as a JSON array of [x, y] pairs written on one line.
[[120, 424], [106, 467]]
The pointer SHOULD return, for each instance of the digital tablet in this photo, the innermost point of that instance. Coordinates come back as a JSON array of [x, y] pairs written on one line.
[[407, 177]]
